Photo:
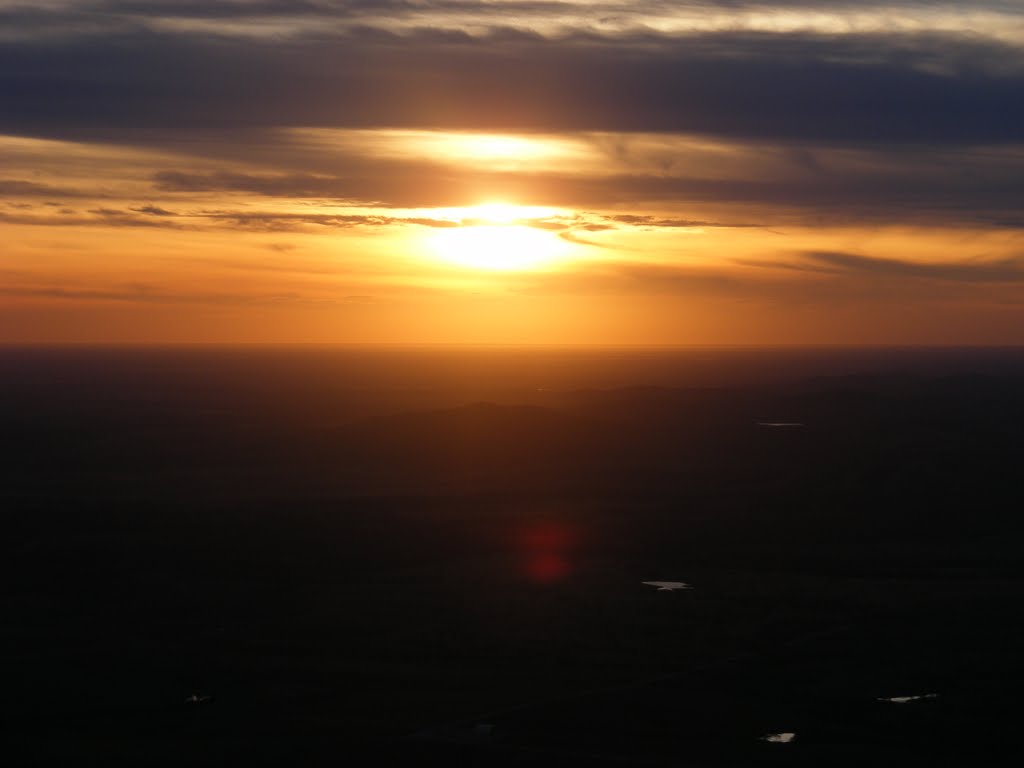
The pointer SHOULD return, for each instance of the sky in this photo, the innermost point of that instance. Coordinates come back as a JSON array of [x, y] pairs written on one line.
[[512, 172]]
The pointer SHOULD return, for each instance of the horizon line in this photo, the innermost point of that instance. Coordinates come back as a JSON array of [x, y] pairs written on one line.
[[6, 345]]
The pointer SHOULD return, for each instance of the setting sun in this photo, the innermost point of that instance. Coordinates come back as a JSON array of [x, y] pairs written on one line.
[[498, 236]]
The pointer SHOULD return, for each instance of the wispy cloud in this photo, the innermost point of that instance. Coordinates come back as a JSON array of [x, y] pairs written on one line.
[[977, 271], [267, 220], [20, 188], [143, 294]]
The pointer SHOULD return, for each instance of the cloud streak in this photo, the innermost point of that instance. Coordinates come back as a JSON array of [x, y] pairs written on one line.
[[1008, 270], [143, 294], [21, 188]]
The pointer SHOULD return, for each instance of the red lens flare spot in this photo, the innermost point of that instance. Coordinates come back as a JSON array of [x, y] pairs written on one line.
[[545, 569], [546, 548]]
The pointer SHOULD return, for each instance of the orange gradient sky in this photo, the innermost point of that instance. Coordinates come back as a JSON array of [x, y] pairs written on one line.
[[461, 172]]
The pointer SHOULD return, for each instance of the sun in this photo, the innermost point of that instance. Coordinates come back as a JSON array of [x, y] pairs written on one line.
[[498, 236]]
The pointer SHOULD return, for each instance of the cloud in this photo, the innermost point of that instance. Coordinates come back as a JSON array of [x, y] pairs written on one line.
[[265, 18], [572, 237], [154, 210], [793, 100], [290, 185], [1008, 270], [141, 83], [150, 216], [741, 185], [145, 294], [829, 184], [19, 188], [100, 217], [635, 220], [272, 221]]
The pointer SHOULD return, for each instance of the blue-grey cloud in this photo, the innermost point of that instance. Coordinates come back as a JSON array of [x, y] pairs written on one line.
[[142, 83]]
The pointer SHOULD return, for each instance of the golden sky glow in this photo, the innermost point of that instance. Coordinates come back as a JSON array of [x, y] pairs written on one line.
[[518, 173]]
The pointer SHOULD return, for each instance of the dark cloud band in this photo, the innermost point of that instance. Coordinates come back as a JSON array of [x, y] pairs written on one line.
[[138, 83]]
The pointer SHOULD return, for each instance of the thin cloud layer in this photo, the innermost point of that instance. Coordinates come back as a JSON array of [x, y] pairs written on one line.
[[1008, 270]]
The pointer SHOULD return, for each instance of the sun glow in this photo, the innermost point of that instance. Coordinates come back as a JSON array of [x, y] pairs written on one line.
[[498, 236]]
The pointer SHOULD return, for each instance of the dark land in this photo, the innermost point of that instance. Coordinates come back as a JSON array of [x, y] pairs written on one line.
[[319, 556]]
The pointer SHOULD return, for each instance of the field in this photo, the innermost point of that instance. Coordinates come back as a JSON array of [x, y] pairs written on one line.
[[216, 558]]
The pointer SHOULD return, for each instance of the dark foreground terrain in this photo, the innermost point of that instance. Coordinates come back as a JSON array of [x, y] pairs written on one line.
[[430, 557]]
